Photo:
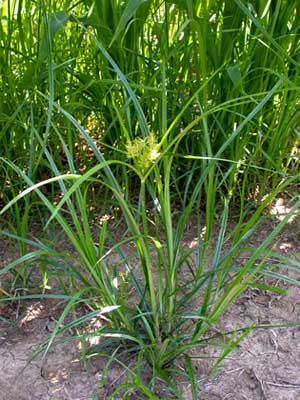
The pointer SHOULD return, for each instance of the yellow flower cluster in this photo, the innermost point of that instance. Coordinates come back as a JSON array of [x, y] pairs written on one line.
[[143, 151]]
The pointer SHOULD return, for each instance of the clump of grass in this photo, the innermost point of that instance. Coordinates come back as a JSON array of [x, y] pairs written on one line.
[[179, 120], [159, 326]]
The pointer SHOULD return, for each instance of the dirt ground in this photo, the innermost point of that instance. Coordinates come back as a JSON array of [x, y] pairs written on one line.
[[265, 366]]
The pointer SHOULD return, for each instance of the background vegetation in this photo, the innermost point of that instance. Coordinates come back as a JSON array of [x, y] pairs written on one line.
[[156, 111]]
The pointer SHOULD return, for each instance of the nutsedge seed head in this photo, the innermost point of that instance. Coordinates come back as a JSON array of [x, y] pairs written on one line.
[[143, 151]]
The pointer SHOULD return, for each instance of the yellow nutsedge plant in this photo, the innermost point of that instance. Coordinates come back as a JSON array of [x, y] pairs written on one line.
[[143, 151]]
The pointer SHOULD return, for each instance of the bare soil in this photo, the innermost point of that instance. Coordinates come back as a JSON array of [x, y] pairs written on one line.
[[265, 365]]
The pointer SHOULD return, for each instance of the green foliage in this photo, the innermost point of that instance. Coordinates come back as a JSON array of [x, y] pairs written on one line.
[[147, 104], [166, 51]]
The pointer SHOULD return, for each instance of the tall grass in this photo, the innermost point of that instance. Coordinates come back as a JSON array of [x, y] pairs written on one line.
[[162, 49], [168, 110]]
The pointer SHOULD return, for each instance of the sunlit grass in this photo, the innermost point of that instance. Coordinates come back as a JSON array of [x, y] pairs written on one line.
[[167, 111]]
